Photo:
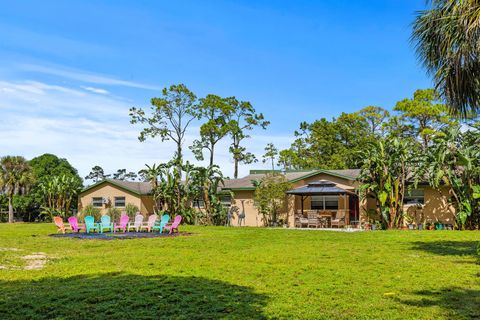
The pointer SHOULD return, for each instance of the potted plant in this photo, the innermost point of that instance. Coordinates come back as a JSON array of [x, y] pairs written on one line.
[[438, 225]]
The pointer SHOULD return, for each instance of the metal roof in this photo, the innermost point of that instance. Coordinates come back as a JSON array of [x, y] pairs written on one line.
[[245, 183], [321, 187]]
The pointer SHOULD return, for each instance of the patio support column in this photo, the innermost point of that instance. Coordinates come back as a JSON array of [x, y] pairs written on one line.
[[301, 199], [347, 214]]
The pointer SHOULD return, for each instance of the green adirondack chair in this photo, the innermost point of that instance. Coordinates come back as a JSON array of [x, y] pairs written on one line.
[[105, 223], [163, 222], [90, 224]]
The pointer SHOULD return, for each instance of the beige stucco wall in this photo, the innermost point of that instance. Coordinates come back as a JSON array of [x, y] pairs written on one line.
[[110, 191], [435, 209]]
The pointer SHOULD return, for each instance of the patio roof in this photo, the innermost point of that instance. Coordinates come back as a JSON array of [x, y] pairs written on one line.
[[321, 187]]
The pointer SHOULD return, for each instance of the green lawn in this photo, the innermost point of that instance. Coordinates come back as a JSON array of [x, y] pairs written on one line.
[[242, 274]]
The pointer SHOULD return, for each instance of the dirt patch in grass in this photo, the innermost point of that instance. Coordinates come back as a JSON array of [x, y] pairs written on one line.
[[12, 260], [35, 261]]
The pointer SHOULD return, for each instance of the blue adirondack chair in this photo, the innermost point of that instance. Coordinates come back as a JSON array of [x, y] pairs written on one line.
[[105, 223], [163, 222], [90, 224]]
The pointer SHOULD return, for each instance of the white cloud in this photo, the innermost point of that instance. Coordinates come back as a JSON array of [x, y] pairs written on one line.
[[93, 129], [84, 76], [95, 90]]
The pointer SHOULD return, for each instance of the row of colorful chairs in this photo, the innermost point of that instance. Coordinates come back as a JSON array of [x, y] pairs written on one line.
[[124, 224]]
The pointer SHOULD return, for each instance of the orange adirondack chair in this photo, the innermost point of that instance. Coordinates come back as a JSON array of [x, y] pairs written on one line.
[[59, 223]]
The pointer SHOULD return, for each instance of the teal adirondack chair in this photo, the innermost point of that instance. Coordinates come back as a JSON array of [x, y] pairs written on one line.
[[163, 222], [105, 223], [90, 224]]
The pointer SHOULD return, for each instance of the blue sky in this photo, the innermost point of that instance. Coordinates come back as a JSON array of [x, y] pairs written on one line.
[[71, 69]]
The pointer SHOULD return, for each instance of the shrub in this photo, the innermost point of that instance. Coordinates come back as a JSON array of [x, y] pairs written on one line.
[[90, 210], [114, 213], [131, 210]]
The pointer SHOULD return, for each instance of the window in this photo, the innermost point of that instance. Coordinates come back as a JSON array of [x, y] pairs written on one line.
[[317, 203], [119, 202], [324, 203], [416, 196], [97, 202], [226, 200], [197, 203], [331, 202]]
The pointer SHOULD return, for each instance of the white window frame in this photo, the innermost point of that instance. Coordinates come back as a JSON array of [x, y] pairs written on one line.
[[115, 202], [96, 201]]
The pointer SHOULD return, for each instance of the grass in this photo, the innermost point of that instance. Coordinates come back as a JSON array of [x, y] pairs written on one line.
[[242, 274]]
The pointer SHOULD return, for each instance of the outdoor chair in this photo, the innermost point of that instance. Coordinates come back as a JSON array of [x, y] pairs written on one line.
[[301, 221], [59, 223], [150, 223], [338, 221], [163, 222], [73, 221], [122, 225], [90, 224], [174, 226], [312, 220], [105, 223], [137, 223]]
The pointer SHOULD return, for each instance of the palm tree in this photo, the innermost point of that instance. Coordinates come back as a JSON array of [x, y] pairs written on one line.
[[16, 177], [446, 38]]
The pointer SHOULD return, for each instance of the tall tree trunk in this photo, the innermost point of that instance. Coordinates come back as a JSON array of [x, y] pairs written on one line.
[[212, 149], [10, 210]]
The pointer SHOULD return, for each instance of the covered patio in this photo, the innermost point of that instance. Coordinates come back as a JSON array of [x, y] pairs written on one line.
[[328, 206]]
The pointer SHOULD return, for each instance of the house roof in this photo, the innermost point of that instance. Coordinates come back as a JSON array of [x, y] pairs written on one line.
[[138, 188], [321, 187], [245, 183]]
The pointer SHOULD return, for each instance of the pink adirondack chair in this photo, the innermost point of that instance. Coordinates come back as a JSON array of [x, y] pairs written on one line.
[[74, 224], [123, 223], [59, 223], [150, 223], [174, 225]]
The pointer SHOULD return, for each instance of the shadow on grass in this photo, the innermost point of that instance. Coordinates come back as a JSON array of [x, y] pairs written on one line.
[[448, 248], [458, 303], [126, 296]]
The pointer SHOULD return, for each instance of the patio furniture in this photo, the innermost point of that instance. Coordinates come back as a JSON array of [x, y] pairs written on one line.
[[163, 222], [339, 220], [59, 223], [136, 224], [301, 221], [174, 226], [105, 224], [150, 223], [74, 224], [122, 225], [324, 221], [90, 224], [312, 220]]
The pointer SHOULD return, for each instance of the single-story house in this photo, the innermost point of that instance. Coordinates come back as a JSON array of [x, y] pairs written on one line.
[[333, 193]]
